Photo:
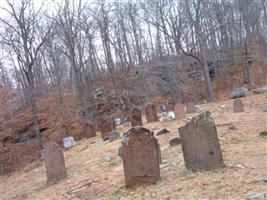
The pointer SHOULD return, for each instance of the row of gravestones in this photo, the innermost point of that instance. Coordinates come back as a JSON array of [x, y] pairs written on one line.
[[141, 154], [140, 150]]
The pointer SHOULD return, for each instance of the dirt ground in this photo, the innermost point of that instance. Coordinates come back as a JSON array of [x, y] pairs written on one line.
[[91, 176]]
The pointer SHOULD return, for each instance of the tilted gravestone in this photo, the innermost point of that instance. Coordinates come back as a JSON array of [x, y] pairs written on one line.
[[238, 106], [141, 157], [200, 144], [191, 107], [136, 117], [89, 130], [151, 113], [54, 163], [106, 126], [179, 111]]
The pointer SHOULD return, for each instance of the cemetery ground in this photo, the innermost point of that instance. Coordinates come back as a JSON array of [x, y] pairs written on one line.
[[95, 171]]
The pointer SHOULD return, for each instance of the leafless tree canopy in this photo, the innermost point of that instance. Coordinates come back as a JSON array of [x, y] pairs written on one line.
[[87, 48]]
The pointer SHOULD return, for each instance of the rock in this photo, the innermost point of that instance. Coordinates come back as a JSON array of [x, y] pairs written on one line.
[[113, 135], [170, 116], [162, 131], [264, 108], [255, 195], [186, 173], [260, 90], [232, 127], [223, 106], [239, 92], [175, 141], [108, 158], [263, 133], [68, 142]]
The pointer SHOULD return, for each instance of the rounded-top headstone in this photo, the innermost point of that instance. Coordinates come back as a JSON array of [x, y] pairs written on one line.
[[106, 126], [191, 107], [136, 117], [89, 130], [238, 106], [179, 111], [141, 157], [151, 113]]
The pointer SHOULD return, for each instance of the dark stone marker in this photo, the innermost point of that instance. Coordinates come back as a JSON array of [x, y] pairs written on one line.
[[136, 117], [89, 130], [141, 157], [54, 163], [179, 111], [238, 106], [190, 107], [200, 144], [106, 126], [151, 113]]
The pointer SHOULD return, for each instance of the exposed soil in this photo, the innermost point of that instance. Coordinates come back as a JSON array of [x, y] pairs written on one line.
[[90, 176]]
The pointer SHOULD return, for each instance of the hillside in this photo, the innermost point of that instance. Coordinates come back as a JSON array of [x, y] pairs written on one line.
[[92, 175]]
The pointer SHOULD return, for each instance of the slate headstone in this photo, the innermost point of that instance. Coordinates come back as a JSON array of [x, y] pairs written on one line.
[[89, 130], [54, 163], [191, 107], [151, 113], [238, 106], [106, 126], [141, 157], [179, 111], [136, 117], [200, 144]]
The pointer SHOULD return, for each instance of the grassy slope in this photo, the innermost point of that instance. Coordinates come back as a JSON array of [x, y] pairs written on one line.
[[91, 177]]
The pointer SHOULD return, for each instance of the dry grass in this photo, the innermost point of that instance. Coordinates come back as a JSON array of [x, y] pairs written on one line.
[[91, 177]]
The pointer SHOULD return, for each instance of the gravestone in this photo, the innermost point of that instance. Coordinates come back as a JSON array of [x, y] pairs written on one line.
[[200, 144], [68, 142], [170, 105], [179, 111], [170, 116], [151, 113], [106, 126], [136, 117], [191, 107], [141, 157], [54, 163], [238, 106], [89, 130]]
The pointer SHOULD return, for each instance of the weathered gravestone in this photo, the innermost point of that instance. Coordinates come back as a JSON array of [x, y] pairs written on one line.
[[200, 144], [54, 163], [141, 157], [191, 107], [179, 111], [136, 117], [106, 126], [151, 113], [238, 106], [89, 130]]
